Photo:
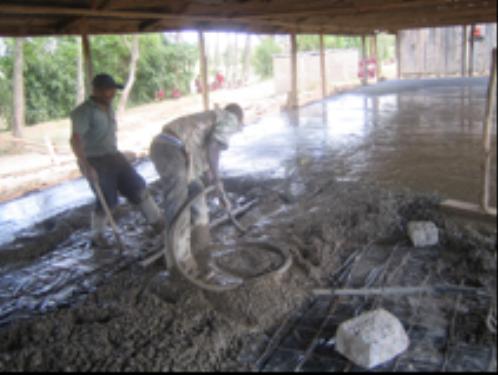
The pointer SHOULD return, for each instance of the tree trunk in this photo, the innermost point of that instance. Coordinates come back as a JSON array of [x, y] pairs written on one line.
[[217, 57], [246, 59], [80, 89], [18, 89], [235, 59], [135, 54]]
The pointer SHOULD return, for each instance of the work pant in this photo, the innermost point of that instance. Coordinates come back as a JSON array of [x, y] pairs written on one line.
[[178, 184], [116, 175]]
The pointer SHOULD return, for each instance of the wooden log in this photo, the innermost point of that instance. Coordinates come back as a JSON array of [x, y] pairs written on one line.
[[88, 64], [376, 54], [472, 51], [465, 50], [488, 126], [469, 210], [398, 54], [364, 58], [204, 71], [293, 97], [323, 66]]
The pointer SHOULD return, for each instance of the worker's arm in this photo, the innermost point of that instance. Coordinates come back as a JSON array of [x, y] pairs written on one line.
[[77, 147], [214, 150], [80, 125]]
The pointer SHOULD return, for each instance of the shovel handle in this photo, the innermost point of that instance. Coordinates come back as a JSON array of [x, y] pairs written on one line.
[[108, 213]]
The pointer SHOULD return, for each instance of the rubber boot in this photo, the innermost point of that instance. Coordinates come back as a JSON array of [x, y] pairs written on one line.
[[200, 238], [99, 221], [152, 213]]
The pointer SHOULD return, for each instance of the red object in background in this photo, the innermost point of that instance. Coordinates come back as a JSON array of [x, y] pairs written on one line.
[[176, 93], [220, 79], [371, 68], [477, 34], [160, 95]]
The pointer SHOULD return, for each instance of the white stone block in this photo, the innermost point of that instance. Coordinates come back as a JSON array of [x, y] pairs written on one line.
[[372, 338], [423, 233]]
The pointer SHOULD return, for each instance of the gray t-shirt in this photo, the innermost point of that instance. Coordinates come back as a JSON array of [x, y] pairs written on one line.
[[96, 127]]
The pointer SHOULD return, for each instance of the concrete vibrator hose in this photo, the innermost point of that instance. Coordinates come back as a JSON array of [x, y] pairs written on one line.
[[239, 280]]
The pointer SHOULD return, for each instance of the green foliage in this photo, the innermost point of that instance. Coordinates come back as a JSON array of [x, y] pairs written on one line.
[[5, 89], [50, 71], [312, 42], [386, 43], [263, 57], [163, 66], [49, 77]]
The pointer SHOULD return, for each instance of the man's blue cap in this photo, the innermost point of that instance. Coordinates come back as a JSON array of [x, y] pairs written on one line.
[[105, 81]]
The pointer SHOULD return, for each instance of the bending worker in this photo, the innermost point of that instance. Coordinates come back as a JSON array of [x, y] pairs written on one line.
[[186, 156], [94, 143]]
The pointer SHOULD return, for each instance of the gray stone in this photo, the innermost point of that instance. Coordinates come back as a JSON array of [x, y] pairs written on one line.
[[423, 233], [372, 338]]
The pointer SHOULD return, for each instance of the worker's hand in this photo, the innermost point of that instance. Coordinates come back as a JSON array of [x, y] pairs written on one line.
[[209, 177], [223, 196]]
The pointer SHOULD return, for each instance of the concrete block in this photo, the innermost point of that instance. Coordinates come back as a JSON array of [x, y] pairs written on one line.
[[423, 233], [372, 338]]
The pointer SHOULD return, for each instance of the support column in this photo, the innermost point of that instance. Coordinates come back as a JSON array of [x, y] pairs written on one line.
[[471, 51], [293, 96], [488, 125], [364, 56], [88, 64], [323, 66], [204, 71], [398, 54], [465, 44], [376, 54]]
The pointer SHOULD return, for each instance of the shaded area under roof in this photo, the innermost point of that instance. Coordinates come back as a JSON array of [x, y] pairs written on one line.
[[62, 17]]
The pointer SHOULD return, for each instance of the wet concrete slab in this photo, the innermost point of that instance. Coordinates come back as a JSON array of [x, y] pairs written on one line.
[[425, 135], [421, 134]]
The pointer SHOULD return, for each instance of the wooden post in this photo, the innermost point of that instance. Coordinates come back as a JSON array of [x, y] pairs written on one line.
[[471, 51], [488, 124], [323, 66], [88, 65], [293, 96], [204, 71], [376, 54], [364, 56], [18, 99], [465, 44], [398, 54]]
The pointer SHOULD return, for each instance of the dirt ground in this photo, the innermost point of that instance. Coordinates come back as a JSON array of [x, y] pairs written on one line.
[[339, 234]]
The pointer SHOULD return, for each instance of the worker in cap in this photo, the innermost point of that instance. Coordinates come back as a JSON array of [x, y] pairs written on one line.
[[94, 143], [186, 155]]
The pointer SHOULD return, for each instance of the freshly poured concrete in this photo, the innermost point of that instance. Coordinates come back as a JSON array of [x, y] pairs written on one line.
[[423, 134]]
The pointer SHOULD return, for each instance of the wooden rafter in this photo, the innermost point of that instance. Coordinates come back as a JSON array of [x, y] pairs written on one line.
[[354, 17]]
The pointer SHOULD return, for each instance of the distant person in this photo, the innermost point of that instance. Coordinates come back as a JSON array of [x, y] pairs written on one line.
[[160, 95], [94, 143], [186, 155]]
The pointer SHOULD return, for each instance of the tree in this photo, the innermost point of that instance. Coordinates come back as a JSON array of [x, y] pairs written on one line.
[[135, 54], [80, 90], [246, 59], [263, 57], [18, 89], [51, 72]]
